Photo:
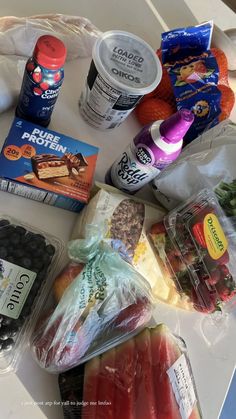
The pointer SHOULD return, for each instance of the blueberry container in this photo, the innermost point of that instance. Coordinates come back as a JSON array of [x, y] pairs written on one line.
[[28, 258], [195, 242]]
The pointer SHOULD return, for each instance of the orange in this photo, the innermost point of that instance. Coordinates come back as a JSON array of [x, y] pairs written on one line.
[[153, 109]]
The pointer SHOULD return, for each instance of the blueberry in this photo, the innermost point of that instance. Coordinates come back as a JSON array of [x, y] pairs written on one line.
[[50, 249], [13, 331], [8, 344], [18, 322], [46, 259], [42, 275], [37, 264], [25, 262], [3, 252], [10, 250], [5, 242], [20, 230], [6, 321], [4, 333], [40, 253], [4, 223], [39, 237], [11, 259], [15, 238], [27, 308], [19, 253], [27, 238], [32, 245]]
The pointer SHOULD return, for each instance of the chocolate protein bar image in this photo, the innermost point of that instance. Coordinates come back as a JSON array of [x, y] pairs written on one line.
[[47, 166]]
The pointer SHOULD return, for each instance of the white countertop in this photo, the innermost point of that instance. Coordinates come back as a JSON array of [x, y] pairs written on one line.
[[212, 367]]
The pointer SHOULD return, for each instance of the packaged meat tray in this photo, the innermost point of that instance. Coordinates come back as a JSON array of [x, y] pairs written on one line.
[[146, 377], [27, 259], [126, 222], [99, 300], [195, 245]]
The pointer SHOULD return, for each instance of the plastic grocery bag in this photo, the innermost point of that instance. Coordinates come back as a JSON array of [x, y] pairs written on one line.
[[147, 377], [209, 161], [18, 35], [106, 303]]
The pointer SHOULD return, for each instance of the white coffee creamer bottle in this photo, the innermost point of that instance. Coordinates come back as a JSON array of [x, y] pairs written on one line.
[[123, 69], [154, 147]]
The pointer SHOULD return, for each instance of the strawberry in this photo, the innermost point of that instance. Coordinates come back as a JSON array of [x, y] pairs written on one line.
[[57, 77], [190, 257], [210, 263], [203, 300], [224, 259], [37, 91], [198, 233], [44, 85], [214, 277], [176, 263], [37, 75], [158, 228], [224, 270], [30, 67], [226, 289]]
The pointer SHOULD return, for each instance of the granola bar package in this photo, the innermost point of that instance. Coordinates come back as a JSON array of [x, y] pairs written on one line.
[[127, 221]]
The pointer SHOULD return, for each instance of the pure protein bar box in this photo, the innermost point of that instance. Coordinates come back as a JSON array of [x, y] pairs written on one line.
[[46, 166]]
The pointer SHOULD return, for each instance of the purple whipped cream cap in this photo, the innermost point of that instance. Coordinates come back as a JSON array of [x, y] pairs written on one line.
[[175, 127]]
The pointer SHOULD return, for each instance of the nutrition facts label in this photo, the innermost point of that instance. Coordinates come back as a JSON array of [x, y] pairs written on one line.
[[102, 105]]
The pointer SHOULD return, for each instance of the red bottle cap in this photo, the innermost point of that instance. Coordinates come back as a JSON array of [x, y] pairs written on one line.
[[50, 52]]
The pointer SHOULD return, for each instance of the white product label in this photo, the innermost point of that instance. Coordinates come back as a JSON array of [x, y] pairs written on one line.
[[182, 385], [26, 191], [130, 175], [15, 285], [102, 105], [3, 185]]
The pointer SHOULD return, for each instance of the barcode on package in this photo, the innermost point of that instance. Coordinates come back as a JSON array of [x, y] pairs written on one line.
[[3, 185], [26, 191], [183, 388]]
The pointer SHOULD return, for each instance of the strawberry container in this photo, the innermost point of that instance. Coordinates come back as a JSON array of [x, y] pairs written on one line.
[[28, 257], [195, 245]]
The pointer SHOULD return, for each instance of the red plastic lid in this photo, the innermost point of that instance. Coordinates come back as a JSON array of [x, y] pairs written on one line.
[[50, 52]]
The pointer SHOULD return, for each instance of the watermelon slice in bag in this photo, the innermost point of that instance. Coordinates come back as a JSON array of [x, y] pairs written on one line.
[[106, 389], [139, 380], [90, 388]]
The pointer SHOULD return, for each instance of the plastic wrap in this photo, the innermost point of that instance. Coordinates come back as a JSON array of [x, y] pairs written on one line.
[[18, 35], [209, 161], [98, 304], [147, 377], [195, 246], [126, 222], [28, 258]]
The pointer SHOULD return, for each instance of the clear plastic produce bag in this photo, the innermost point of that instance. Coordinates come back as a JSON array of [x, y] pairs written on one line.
[[102, 304]]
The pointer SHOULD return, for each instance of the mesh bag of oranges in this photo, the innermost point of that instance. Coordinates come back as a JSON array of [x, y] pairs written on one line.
[[195, 77]]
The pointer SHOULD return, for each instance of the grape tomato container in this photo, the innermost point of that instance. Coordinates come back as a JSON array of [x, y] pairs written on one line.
[[28, 258], [197, 251]]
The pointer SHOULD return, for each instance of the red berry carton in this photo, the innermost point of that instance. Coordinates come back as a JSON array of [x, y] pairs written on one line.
[[194, 242]]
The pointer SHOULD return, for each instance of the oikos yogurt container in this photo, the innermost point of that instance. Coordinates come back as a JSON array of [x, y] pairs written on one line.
[[123, 69]]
